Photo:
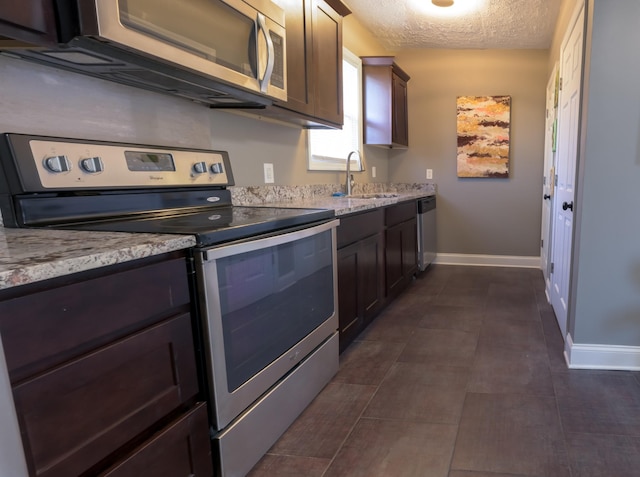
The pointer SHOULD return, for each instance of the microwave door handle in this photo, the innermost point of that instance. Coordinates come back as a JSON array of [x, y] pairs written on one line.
[[264, 82]]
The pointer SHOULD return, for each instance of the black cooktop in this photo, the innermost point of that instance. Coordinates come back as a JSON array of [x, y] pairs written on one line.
[[210, 226]]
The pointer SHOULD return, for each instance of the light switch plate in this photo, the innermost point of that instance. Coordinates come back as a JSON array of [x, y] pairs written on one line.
[[268, 173], [373, 171], [429, 173]]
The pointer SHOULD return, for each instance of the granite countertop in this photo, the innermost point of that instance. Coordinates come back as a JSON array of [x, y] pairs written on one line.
[[28, 255], [344, 205], [321, 196], [31, 255]]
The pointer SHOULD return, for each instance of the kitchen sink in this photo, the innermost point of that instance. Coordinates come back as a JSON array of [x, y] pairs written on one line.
[[378, 195]]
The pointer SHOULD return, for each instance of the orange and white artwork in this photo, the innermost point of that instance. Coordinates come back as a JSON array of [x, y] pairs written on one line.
[[483, 136]]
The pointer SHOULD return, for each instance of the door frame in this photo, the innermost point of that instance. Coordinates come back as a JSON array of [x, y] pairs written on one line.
[[562, 260], [546, 230]]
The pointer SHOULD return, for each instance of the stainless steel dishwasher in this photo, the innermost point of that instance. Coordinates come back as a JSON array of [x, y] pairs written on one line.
[[426, 231]]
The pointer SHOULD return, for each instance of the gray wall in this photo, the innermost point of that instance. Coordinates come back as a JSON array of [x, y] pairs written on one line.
[[477, 216], [40, 100], [500, 217], [606, 273]]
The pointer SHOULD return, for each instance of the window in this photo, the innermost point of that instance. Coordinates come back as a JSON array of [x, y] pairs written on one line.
[[328, 148]]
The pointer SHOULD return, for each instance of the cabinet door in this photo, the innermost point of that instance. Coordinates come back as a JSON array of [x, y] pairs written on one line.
[[401, 256], [393, 258], [385, 102], [180, 450], [360, 285], [349, 292], [371, 273], [32, 21], [314, 60], [300, 80], [327, 62], [410, 248], [79, 413], [400, 121]]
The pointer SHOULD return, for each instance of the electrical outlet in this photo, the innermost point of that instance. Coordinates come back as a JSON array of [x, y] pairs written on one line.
[[268, 173], [429, 173], [373, 171]]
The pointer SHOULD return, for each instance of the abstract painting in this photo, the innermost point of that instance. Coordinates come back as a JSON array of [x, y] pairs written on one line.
[[483, 136]]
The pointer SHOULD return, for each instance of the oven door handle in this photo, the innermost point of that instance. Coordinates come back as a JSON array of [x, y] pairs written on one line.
[[262, 242]]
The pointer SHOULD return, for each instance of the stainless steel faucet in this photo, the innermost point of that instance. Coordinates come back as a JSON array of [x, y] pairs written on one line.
[[350, 181]]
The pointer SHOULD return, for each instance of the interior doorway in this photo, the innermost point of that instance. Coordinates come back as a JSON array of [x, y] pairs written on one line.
[[563, 203], [549, 174]]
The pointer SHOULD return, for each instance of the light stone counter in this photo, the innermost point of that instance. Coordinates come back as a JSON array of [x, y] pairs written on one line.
[[343, 206], [28, 255], [320, 196], [31, 255]]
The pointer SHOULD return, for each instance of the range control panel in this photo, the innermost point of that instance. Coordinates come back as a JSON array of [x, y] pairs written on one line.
[[60, 164]]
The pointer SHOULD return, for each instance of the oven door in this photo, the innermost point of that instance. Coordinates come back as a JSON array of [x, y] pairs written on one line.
[[267, 303], [241, 43]]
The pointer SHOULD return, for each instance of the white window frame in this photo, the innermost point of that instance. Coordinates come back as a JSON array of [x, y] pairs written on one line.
[[338, 162]]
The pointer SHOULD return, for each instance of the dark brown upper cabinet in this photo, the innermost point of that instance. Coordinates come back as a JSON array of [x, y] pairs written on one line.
[[385, 102], [314, 63], [28, 21]]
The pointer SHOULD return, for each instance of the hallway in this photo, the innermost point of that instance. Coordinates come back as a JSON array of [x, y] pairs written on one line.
[[463, 376]]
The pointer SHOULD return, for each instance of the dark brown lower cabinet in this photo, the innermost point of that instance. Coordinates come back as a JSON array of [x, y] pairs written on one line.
[[377, 259], [77, 414], [180, 450], [401, 256], [360, 290], [103, 371], [360, 273], [401, 246], [351, 320]]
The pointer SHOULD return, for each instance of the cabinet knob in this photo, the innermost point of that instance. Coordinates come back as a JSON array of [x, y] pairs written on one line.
[[546, 197], [567, 205]]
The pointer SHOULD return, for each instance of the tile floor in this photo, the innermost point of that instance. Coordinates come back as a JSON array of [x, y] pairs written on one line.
[[463, 376]]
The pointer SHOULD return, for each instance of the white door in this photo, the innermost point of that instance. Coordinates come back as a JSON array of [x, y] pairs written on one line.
[[567, 148], [549, 176]]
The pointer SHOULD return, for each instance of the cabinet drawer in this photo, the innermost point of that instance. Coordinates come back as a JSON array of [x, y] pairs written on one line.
[[77, 414], [401, 212], [47, 328], [181, 450], [358, 226]]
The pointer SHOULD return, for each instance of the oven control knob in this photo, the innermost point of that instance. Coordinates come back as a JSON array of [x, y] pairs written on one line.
[[92, 165], [57, 164], [200, 167], [216, 168]]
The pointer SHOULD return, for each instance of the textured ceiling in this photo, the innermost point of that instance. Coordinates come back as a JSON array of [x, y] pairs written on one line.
[[511, 24]]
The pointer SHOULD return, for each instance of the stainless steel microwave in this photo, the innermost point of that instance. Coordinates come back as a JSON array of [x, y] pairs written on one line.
[[224, 53]]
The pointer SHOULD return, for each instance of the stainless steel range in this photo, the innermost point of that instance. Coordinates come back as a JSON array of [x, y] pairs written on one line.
[[265, 278]]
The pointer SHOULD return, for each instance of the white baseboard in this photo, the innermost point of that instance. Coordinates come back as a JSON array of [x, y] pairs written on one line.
[[487, 260], [595, 356]]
